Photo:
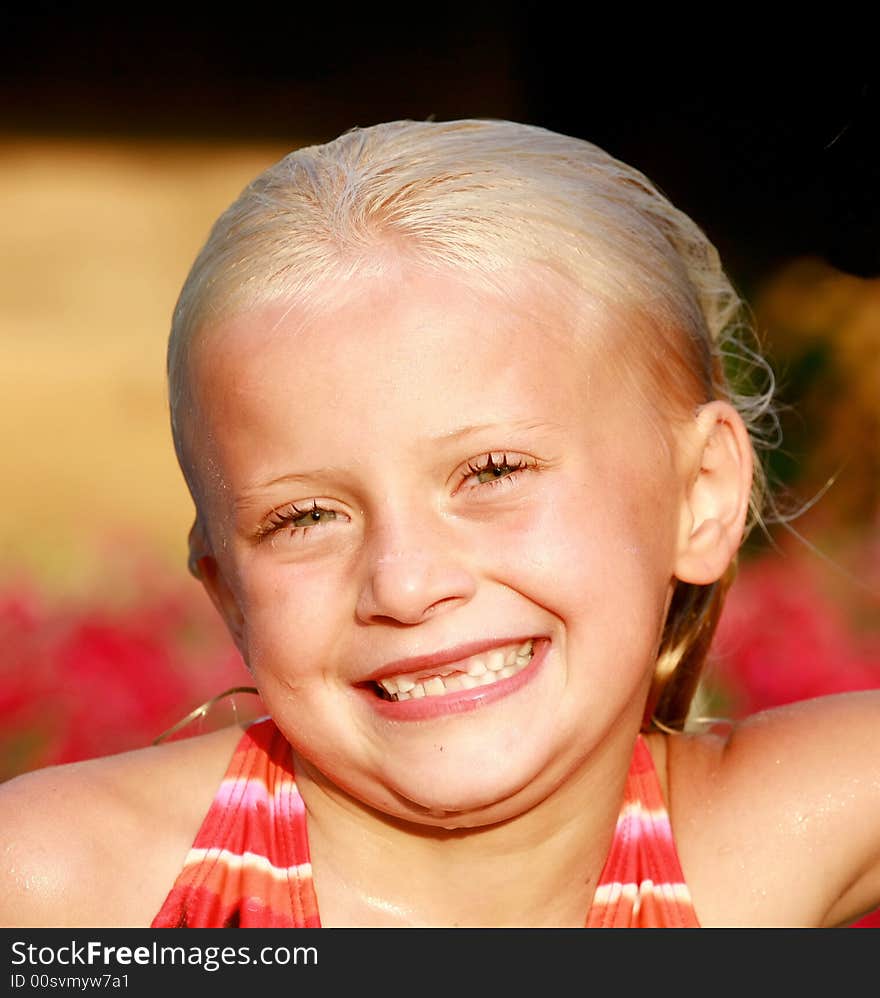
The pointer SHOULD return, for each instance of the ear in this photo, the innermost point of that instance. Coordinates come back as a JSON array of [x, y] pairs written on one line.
[[716, 503], [203, 565]]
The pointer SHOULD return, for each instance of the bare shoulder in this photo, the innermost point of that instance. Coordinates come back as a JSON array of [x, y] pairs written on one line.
[[99, 843], [777, 821]]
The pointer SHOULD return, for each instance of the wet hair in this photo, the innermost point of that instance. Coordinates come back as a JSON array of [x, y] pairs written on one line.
[[480, 197]]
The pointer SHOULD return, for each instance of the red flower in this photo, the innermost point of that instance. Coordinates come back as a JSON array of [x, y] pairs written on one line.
[[782, 639], [79, 680]]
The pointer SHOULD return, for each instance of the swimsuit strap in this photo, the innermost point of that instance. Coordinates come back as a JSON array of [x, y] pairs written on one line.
[[249, 865], [642, 885]]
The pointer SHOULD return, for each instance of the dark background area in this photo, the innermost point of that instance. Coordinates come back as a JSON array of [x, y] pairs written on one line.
[[769, 141]]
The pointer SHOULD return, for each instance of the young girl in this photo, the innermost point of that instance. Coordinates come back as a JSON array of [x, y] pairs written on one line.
[[470, 484]]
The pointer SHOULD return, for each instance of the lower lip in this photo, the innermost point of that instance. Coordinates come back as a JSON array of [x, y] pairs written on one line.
[[460, 701]]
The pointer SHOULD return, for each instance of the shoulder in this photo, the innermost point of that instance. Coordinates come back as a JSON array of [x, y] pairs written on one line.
[[99, 843], [777, 820]]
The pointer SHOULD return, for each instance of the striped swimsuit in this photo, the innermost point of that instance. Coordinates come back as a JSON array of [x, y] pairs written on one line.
[[249, 865]]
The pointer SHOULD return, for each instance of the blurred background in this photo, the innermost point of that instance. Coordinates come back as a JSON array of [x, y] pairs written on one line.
[[123, 136]]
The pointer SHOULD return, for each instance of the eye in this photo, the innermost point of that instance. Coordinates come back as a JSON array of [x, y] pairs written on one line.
[[494, 468], [296, 520]]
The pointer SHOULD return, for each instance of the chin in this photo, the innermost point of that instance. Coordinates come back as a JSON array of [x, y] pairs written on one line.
[[462, 799]]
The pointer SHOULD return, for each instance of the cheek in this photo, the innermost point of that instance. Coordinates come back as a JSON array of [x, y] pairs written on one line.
[[587, 546], [293, 618]]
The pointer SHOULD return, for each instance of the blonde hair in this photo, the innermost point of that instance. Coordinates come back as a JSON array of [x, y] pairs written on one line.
[[481, 196]]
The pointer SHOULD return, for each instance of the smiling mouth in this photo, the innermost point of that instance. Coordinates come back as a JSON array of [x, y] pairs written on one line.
[[478, 670]]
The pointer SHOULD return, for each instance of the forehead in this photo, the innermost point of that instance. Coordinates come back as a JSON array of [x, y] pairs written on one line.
[[393, 325], [373, 310]]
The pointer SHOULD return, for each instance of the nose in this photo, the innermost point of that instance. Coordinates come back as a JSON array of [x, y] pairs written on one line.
[[412, 572]]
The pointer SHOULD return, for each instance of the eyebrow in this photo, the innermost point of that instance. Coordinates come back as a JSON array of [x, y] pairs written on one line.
[[253, 495], [518, 424]]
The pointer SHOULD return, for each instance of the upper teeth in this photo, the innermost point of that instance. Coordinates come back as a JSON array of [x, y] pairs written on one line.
[[478, 670]]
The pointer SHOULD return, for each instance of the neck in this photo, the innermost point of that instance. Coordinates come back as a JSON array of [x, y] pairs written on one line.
[[538, 869]]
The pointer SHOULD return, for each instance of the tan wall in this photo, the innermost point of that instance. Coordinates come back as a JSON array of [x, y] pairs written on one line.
[[95, 241]]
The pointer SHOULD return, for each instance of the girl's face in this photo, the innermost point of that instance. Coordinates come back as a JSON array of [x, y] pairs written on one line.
[[444, 535]]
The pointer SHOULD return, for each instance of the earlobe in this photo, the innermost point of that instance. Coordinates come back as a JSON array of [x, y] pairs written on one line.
[[716, 501], [197, 547], [203, 565]]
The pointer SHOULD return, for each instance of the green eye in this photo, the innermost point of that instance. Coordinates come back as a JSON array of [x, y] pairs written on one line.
[[495, 471], [491, 467], [312, 516], [297, 521]]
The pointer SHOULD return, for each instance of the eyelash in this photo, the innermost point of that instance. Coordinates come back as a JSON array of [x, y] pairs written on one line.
[[516, 465], [284, 517]]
